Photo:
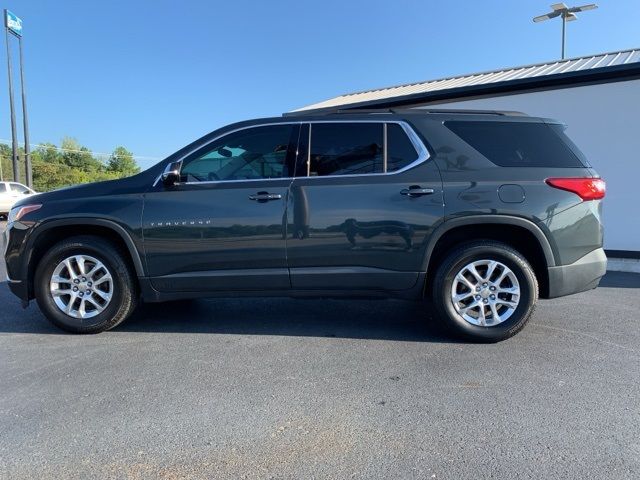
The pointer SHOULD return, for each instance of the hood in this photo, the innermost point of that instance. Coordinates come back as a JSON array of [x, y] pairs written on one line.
[[139, 183]]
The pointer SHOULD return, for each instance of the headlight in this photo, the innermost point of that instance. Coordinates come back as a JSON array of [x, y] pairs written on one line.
[[17, 213]]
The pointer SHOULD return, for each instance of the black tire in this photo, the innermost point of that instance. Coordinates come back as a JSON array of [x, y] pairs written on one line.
[[125, 293], [463, 255]]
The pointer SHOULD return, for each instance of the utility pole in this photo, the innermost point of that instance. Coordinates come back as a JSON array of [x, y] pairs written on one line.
[[25, 123]]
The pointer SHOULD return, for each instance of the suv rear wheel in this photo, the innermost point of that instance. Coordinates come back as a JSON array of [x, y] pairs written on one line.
[[84, 285], [485, 291]]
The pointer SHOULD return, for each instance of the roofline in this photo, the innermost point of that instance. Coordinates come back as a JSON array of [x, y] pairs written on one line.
[[613, 73], [486, 72]]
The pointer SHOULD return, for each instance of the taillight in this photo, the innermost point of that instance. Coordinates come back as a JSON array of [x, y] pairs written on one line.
[[585, 188]]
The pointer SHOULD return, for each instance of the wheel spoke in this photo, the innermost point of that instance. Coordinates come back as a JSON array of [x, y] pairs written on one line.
[[102, 295], [80, 263], [102, 279], [510, 290], [469, 307], [461, 278], [506, 302], [69, 305], [490, 269], [481, 317], [97, 267], [60, 292], [462, 296], [494, 313], [502, 276], [97, 306], [472, 269], [72, 273], [81, 309]]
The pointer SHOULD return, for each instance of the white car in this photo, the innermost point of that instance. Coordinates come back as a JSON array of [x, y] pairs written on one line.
[[10, 193]]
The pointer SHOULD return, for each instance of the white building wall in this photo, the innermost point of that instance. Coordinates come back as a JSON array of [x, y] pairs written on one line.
[[604, 121]]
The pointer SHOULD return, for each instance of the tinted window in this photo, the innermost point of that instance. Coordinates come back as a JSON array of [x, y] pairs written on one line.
[[346, 148], [3, 188], [255, 153], [516, 144], [400, 150], [16, 187], [559, 130]]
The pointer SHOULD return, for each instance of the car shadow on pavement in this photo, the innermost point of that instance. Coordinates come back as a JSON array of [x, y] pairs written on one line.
[[620, 280], [366, 319]]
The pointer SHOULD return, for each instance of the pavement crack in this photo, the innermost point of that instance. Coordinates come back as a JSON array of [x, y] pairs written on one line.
[[588, 335]]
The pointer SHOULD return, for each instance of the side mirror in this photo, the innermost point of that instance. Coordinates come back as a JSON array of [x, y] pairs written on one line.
[[171, 174]]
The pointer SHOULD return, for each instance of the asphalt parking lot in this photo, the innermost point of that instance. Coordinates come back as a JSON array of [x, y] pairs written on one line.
[[279, 388]]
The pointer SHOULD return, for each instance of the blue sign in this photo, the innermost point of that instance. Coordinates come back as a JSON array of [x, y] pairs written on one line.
[[13, 23]]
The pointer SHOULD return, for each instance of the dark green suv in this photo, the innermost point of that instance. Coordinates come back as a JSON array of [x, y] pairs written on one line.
[[478, 212]]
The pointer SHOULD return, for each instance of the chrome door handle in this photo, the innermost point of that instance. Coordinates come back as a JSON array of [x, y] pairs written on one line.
[[263, 197], [416, 191]]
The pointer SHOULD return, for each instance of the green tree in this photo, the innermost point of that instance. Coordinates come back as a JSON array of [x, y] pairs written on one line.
[[46, 152], [6, 163], [77, 156], [121, 162], [71, 164]]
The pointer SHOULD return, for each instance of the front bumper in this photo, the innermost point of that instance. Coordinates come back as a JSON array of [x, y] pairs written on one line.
[[582, 275], [13, 241]]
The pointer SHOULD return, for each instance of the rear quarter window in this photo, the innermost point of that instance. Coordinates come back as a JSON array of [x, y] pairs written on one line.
[[519, 144]]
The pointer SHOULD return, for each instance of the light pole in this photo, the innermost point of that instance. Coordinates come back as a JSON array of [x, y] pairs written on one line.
[[568, 14], [12, 110]]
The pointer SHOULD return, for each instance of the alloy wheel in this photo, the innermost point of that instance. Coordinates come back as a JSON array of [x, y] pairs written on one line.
[[81, 286], [485, 293]]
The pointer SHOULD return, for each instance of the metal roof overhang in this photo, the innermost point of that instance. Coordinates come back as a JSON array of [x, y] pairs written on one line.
[[615, 73]]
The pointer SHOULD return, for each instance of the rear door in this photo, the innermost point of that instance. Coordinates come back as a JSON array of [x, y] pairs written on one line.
[[362, 206], [222, 226]]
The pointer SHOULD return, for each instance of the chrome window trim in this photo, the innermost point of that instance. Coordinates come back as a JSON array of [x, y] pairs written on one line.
[[421, 150], [385, 147]]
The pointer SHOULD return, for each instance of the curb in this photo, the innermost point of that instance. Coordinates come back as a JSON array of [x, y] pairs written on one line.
[[630, 265]]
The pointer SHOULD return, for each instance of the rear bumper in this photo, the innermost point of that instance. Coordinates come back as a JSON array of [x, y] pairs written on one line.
[[582, 275]]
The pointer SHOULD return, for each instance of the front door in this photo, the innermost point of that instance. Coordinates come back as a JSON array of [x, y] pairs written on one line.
[[362, 207], [222, 226]]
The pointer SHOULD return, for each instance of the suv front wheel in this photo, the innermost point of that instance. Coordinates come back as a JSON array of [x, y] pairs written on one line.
[[84, 285], [485, 291]]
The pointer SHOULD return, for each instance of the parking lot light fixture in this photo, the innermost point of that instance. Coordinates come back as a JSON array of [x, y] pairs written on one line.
[[568, 14]]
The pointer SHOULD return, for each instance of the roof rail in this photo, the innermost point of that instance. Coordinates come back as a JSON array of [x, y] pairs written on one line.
[[343, 110], [326, 111], [475, 112]]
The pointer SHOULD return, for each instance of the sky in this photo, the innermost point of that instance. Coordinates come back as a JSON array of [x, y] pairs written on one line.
[[153, 75]]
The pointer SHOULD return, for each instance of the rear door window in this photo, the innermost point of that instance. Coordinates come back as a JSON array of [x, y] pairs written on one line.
[[3, 188], [400, 150], [518, 144], [346, 149]]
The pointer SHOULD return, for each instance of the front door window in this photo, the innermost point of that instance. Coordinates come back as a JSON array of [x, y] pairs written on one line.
[[250, 154]]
